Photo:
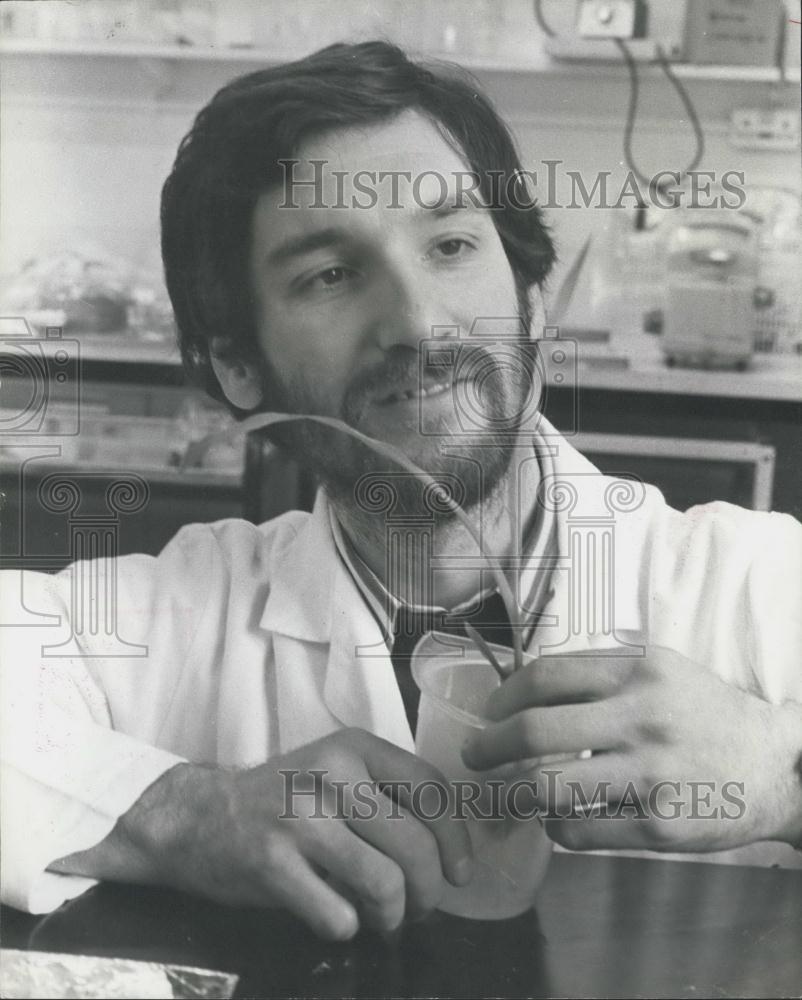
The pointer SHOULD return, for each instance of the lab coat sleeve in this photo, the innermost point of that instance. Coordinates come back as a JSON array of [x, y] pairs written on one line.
[[775, 608], [726, 591], [69, 771]]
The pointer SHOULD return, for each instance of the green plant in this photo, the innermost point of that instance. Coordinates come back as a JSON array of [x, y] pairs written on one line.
[[393, 454]]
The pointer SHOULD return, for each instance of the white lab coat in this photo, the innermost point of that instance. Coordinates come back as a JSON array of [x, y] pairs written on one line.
[[249, 634]]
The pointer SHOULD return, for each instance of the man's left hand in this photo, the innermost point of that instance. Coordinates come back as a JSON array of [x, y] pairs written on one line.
[[681, 761]]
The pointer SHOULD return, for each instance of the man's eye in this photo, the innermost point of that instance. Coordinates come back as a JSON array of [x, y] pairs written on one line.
[[454, 247], [330, 278]]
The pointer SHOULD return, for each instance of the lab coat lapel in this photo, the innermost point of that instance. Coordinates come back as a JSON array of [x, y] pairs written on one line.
[[360, 688], [299, 602], [314, 602]]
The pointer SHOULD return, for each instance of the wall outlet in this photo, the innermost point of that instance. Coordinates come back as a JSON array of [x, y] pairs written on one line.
[[765, 128], [611, 19], [577, 38]]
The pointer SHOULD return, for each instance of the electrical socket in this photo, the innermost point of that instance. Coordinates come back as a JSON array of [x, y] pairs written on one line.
[[666, 24], [765, 128], [611, 19]]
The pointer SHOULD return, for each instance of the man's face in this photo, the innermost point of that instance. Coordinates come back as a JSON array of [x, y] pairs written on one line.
[[346, 296]]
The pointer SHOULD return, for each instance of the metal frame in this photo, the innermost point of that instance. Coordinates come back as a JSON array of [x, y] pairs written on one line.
[[760, 456]]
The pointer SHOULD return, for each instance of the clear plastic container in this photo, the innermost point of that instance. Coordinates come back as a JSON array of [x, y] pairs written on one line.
[[511, 854]]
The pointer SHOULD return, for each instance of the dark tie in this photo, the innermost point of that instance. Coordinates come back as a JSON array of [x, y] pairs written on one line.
[[489, 618]]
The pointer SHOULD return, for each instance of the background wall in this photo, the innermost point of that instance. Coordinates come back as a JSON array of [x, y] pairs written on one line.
[[88, 140]]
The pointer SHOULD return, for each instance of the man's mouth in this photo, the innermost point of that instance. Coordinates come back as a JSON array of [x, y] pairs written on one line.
[[435, 387]]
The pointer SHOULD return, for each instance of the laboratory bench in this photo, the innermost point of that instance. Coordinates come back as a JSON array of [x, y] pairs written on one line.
[[601, 926]]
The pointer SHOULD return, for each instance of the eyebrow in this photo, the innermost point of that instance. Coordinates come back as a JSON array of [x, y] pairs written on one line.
[[297, 246], [445, 210], [324, 239]]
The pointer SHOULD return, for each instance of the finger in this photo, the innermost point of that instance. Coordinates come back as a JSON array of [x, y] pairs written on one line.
[[536, 732], [293, 884], [369, 875], [412, 781], [555, 680], [575, 787], [600, 804], [398, 834], [600, 832]]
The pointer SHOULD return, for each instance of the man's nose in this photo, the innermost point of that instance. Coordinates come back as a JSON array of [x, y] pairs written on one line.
[[410, 310]]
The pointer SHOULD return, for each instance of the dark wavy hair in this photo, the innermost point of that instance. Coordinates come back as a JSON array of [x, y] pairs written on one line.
[[230, 157]]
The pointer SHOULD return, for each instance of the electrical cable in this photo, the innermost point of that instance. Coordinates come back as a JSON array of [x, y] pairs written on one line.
[[543, 24], [632, 112]]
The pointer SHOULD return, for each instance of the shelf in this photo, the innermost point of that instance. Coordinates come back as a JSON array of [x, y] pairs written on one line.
[[745, 74], [190, 478], [137, 50], [124, 348], [775, 378], [495, 64]]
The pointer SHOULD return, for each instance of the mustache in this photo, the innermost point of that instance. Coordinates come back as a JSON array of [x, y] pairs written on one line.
[[401, 368], [404, 368]]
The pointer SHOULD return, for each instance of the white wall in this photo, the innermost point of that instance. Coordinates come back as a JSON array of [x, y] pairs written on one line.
[[87, 141]]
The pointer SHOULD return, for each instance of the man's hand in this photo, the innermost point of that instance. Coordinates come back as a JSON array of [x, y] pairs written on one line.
[[684, 761], [310, 831]]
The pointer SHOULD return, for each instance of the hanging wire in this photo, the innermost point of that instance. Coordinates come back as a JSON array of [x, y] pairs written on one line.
[[543, 24], [632, 111]]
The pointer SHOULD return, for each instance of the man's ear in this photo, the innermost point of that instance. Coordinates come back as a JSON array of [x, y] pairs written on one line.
[[538, 311], [239, 380]]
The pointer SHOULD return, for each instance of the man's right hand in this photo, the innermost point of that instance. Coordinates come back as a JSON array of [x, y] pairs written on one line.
[[348, 853]]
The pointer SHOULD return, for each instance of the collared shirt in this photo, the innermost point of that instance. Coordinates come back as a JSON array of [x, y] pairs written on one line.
[[539, 548]]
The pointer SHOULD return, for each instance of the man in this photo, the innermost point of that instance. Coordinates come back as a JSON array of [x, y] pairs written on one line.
[[317, 265]]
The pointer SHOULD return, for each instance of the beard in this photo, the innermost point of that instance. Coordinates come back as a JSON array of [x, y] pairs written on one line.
[[467, 447]]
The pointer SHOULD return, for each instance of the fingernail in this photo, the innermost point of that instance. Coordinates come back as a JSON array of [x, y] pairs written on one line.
[[391, 936], [463, 871], [417, 916], [488, 707]]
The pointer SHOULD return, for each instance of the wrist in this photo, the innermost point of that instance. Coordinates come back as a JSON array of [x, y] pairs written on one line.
[[789, 718], [160, 832], [143, 841]]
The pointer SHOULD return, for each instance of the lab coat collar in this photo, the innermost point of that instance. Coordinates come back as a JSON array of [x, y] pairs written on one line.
[[313, 599], [300, 603]]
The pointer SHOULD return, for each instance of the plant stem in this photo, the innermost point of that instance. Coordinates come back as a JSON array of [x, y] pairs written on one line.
[[484, 647], [260, 420]]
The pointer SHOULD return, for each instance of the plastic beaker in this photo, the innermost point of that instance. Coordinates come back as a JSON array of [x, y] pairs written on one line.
[[510, 847]]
